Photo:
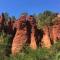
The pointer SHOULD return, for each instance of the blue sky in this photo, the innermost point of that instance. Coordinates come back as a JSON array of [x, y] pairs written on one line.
[[16, 7]]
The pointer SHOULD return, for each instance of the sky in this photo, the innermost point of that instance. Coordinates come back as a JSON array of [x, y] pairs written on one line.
[[16, 7]]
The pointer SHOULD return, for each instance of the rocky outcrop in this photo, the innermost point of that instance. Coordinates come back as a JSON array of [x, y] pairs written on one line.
[[10, 27], [51, 33], [25, 31], [2, 19], [33, 36], [45, 42], [33, 29], [55, 29], [20, 36]]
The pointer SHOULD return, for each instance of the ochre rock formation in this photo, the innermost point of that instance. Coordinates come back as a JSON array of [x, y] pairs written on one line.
[[10, 27], [2, 19], [45, 42], [20, 36], [32, 21], [52, 33], [33, 44], [55, 29]]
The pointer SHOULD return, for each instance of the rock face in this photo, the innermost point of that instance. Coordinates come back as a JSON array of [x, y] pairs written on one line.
[[32, 21], [45, 42], [10, 27], [27, 32], [55, 31], [33, 44], [20, 36], [2, 19], [51, 33]]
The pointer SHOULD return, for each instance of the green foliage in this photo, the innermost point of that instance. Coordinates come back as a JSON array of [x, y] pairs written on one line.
[[13, 18], [39, 54], [24, 13], [3, 43], [56, 46], [45, 18]]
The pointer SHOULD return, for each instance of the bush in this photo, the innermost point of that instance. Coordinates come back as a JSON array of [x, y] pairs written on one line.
[[3, 45], [39, 54]]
